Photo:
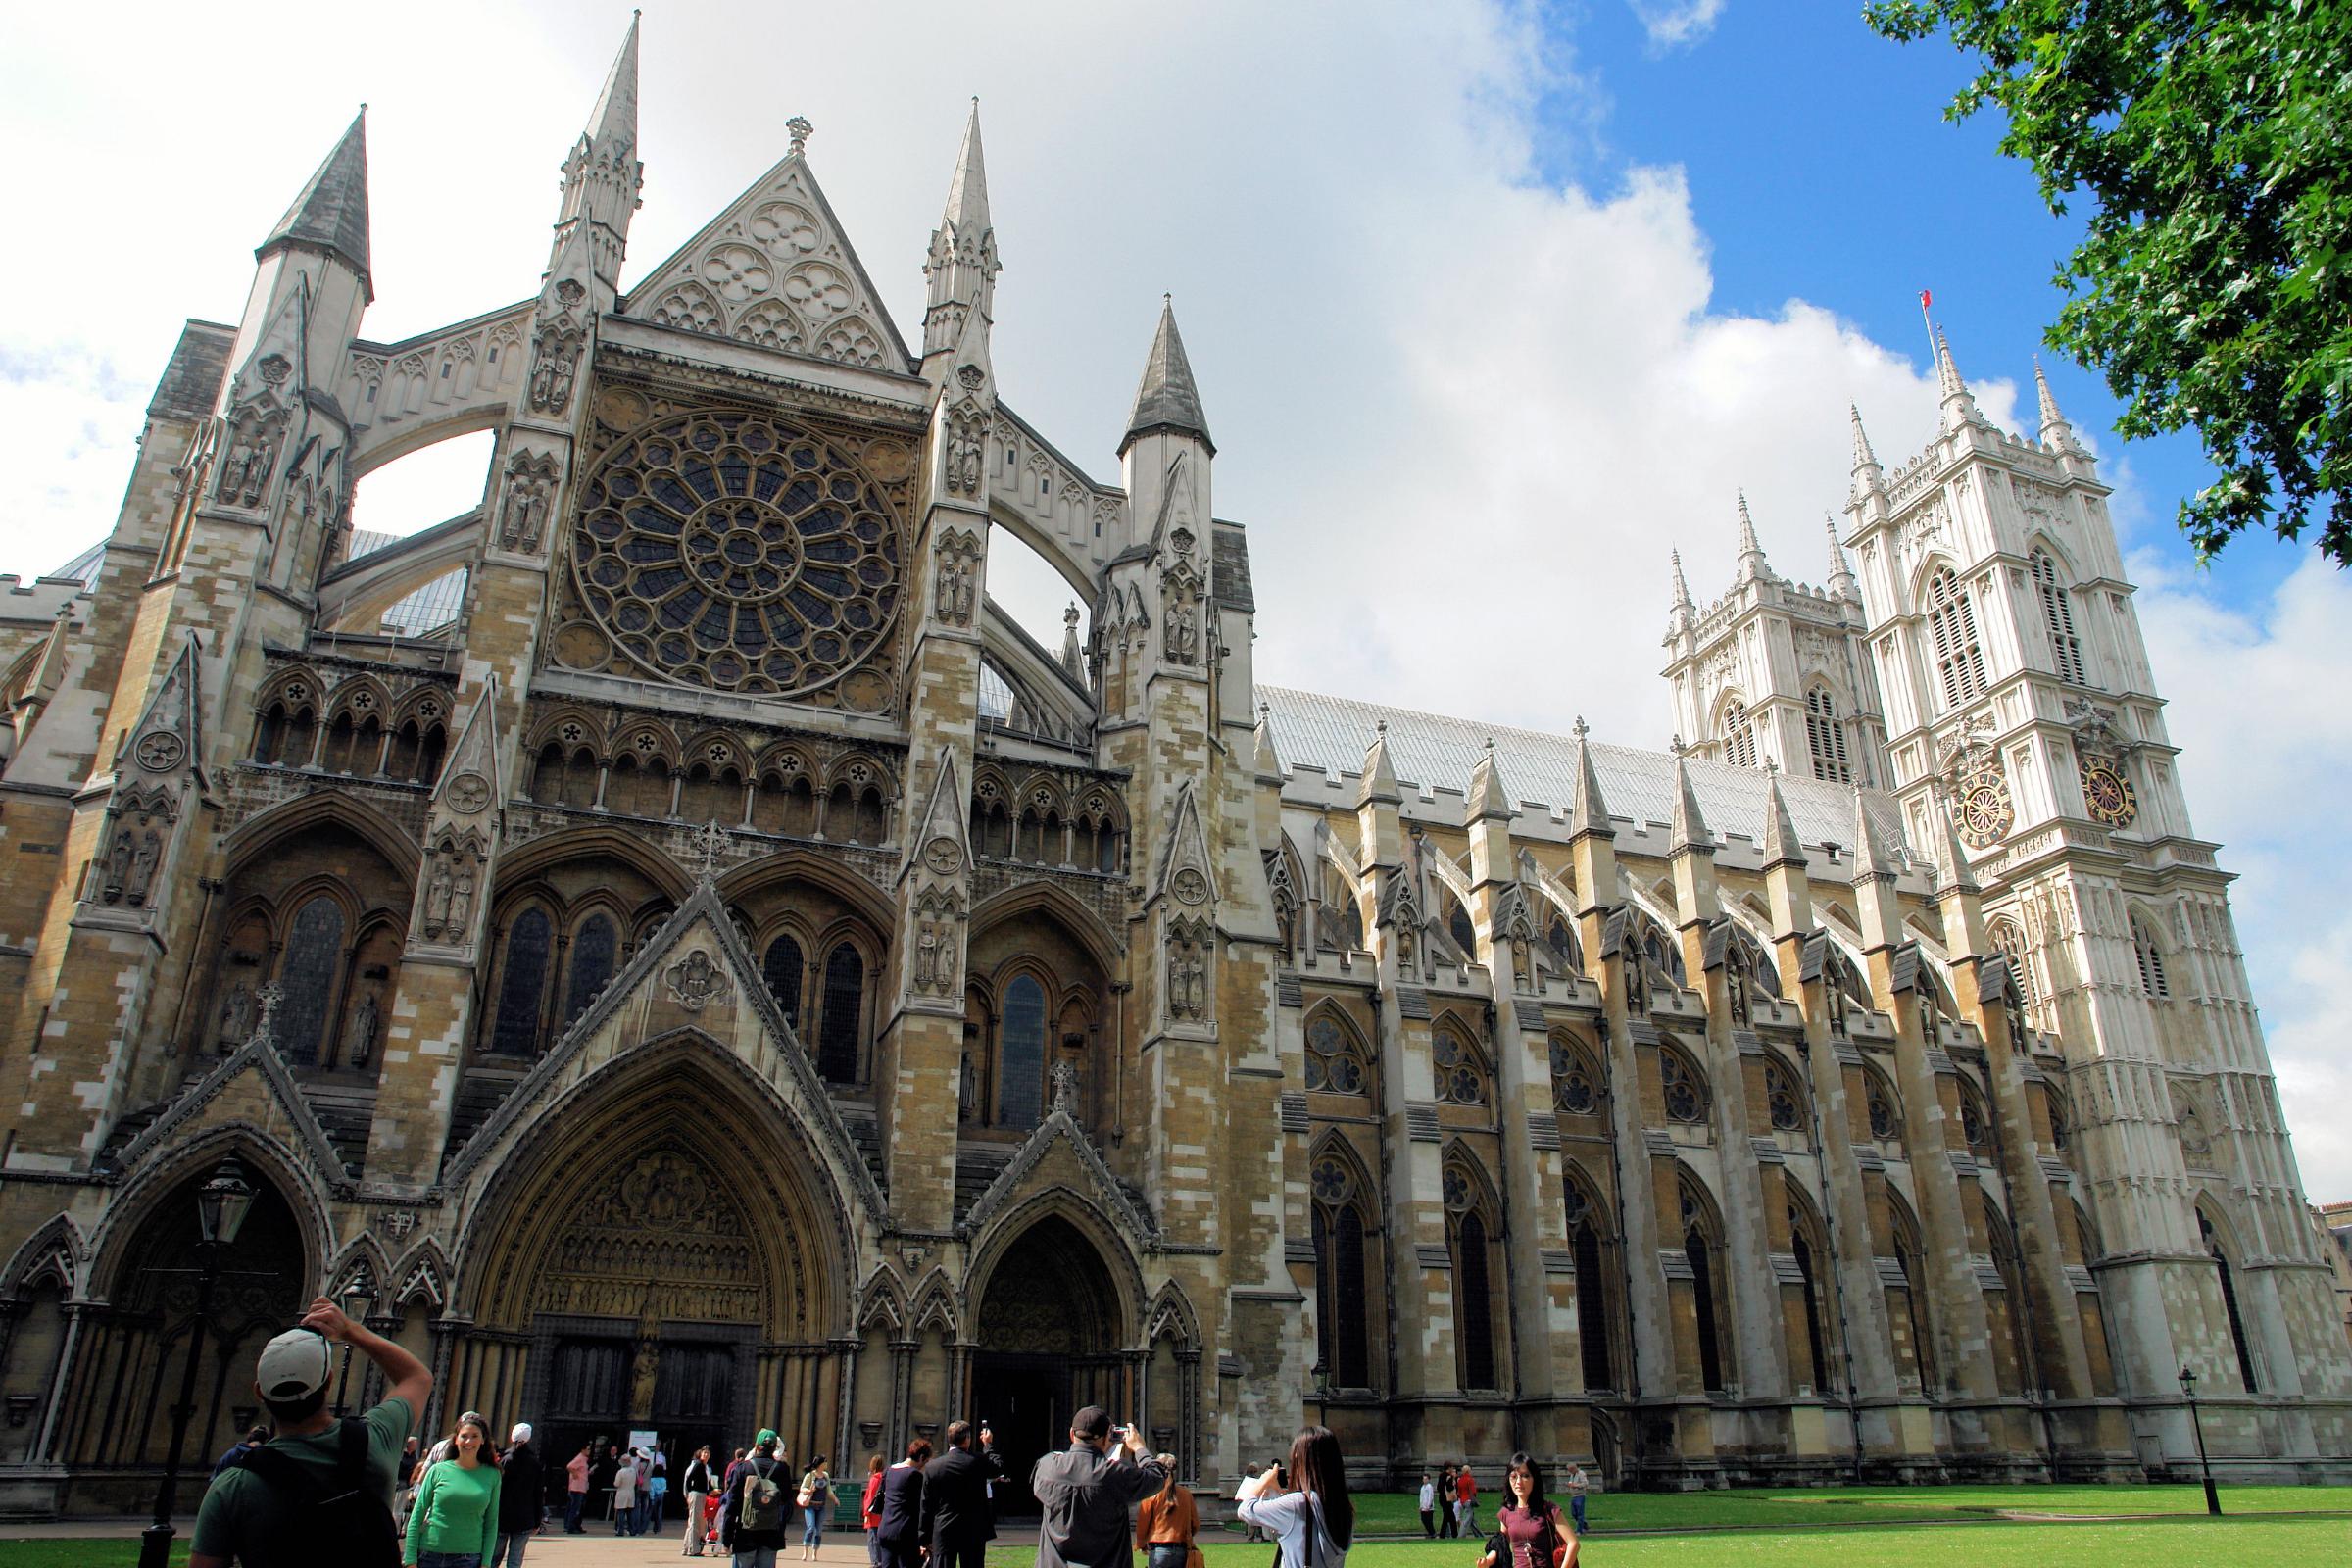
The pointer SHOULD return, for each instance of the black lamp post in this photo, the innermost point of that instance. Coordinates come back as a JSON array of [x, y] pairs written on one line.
[[1321, 1373], [359, 1300], [221, 1205], [2188, 1389]]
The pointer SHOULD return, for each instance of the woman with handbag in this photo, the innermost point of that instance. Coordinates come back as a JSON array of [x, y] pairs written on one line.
[[816, 1501], [1166, 1522], [1314, 1523], [1528, 1528]]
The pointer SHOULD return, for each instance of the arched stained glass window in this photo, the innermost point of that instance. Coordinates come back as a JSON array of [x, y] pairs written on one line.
[[314, 965], [1702, 1289], [2228, 1284], [842, 1030], [1021, 1054], [1475, 1302], [522, 983], [1886, 1121], [782, 971], [1812, 1299], [1592, 1289], [593, 951], [1458, 927], [1342, 1339], [1952, 628]]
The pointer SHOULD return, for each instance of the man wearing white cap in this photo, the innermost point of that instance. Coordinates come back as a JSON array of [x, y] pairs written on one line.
[[322, 1485], [522, 1498]]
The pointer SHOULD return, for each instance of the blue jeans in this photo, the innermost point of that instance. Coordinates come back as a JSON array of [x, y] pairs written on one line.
[[449, 1559], [813, 1531], [507, 1551], [573, 1502], [1576, 1512]]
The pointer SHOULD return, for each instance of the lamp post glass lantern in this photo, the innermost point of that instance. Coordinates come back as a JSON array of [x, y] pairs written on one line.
[[359, 1300], [221, 1205], [2188, 1390]]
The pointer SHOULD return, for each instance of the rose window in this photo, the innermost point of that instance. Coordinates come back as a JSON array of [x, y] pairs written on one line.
[[1332, 1062], [1686, 1100], [1971, 1122], [1330, 1182], [1885, 1126], [1572, 1088], [1457, 1075], [1780, 1097], [732, 551], [1455, 1186]]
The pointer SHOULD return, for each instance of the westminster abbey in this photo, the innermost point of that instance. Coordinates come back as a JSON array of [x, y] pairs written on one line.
[[669, 949]]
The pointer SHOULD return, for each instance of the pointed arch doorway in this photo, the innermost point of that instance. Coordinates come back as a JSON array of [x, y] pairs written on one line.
[[1049, 1342]]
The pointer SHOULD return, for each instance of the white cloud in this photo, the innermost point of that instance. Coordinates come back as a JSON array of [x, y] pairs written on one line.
[[2251, 708], [1671, 24], [1464, 412]]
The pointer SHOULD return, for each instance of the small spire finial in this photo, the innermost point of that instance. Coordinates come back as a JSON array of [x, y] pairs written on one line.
[[714, 839], [1677, 747], [1582, 728], [801, 130]]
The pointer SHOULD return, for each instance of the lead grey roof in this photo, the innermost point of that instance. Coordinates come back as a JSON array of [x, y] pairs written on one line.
[[191, 382], [1229, 551], [1431, 751]]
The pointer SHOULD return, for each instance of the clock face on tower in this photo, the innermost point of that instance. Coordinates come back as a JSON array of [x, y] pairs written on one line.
[[2107, 793], [1984, 812]]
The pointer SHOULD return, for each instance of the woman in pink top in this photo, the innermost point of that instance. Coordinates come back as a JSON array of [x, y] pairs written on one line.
[[575, 1492], [1532, 1531]]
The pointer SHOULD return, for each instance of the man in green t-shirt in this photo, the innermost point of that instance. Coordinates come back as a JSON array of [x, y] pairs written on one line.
[[241, 1511]]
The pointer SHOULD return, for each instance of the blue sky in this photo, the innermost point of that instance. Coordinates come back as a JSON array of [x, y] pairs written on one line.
[[1491, 305]]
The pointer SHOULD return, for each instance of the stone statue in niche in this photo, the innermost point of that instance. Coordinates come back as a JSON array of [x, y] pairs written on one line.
[[1637, 971], [1184, 628], [437, 893], [142, 868], [236, 1017], [966, 455], [1927, 1009], [967, 1086], [554, 361], [531, 490], [366, 1024], [641, 1379], [460, 901], [251, 453], [1523, 960], [117, 866], [1735, 985]]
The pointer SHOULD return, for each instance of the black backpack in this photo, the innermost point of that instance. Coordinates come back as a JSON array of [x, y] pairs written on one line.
[[340, 1516]]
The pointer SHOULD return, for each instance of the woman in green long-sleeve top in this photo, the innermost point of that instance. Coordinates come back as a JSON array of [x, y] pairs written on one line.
[[455, 1522]]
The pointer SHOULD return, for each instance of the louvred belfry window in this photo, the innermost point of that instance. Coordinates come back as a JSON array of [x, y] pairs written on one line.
[[1953, 626], [1825, 737], [2058, 613], [1738, 736]]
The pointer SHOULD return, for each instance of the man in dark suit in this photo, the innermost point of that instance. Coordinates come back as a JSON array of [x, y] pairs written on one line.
[[958, 1520]]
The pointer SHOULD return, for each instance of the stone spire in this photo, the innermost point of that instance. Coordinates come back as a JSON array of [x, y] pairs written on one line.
[[1959, 404], [1073, 662], [2055, 430], [331, 212], [1751, 553], [1379, 775], [1872, 859], [962, 264], [602, 176], [1166, 398], [1780, 845], [1867, 474], [1682, 612], [1841, 580], [1267, 761], [1589, 813], [1689, 829], [1488, 797]]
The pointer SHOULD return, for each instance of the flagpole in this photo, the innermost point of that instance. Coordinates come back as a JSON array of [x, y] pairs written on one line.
[[1926, 298]]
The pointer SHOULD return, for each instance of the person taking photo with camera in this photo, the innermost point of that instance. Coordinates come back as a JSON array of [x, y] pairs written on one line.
[[322, 1488], [1087, 1490]]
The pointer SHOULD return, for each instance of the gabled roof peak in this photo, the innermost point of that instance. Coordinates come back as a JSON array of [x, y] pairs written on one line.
[[1166, 398]]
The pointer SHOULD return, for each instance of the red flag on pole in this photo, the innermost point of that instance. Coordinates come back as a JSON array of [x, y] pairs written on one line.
[[1926, 299]]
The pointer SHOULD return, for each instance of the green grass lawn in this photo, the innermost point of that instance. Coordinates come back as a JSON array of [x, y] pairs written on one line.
[[82, 1553], [2248, 1542], [1393, 1512]]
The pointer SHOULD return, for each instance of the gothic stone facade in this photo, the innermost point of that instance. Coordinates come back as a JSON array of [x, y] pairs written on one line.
[[725, 972]]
